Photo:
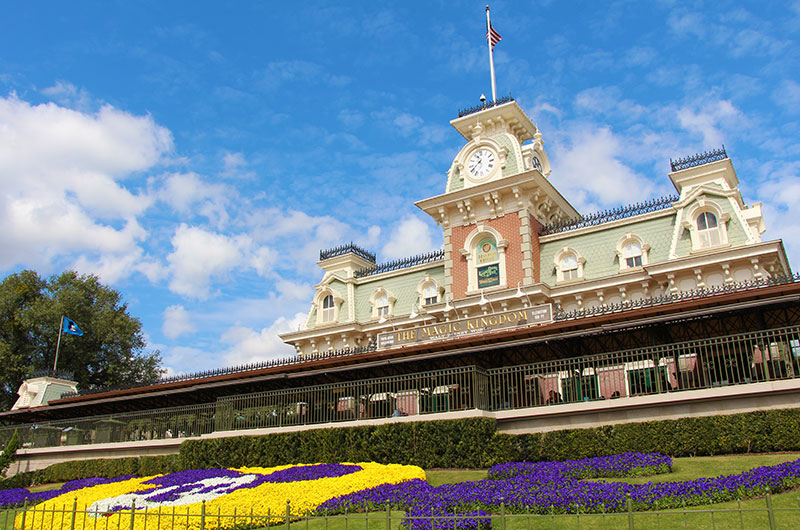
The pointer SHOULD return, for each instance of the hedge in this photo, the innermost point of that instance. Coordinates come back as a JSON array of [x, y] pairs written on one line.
[[467, 443]]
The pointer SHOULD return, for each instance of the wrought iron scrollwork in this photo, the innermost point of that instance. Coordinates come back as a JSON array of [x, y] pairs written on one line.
[[699, 159], [484, 106], [344, 249], [402, 263], [613, 214]]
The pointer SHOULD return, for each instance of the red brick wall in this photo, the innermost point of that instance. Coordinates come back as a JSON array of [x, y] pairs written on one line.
[[508, 228]]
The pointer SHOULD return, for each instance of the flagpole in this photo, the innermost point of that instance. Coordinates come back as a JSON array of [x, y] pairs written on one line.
[[58, 344], [491, 54]]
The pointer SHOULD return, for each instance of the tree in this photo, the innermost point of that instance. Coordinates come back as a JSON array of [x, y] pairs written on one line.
[[111, 351]]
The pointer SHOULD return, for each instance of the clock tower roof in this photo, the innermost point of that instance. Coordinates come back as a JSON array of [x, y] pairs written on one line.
[[506, 117]]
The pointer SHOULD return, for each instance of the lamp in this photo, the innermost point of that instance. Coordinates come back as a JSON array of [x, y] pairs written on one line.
[[485, 301], [414, 313], [521, 293], [448, 306]]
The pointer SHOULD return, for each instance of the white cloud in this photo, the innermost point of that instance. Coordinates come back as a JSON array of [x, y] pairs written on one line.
[[710, 120], [250, 346], [410, 237], [177, 322], [589, 169], [187, 193], [788, 95], [235, 166], [199, 255], [61, 173]]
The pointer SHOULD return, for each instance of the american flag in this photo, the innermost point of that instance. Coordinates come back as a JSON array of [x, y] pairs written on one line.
[[492, 36]]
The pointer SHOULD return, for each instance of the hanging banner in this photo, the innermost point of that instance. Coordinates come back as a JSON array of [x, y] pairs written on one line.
[[540, 314]]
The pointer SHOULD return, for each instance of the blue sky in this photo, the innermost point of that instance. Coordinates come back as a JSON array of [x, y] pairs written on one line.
[[198, 155]]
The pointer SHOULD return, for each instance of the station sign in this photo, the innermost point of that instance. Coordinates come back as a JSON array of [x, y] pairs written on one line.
[[540, 314]]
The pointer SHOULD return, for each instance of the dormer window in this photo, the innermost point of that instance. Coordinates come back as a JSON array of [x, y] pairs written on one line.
[[430, 294], [632, 252], [708, 230], [328, 309], [382, 305], [569, 265]]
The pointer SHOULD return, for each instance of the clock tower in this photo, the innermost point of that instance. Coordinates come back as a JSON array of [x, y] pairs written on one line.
[[496, 198]]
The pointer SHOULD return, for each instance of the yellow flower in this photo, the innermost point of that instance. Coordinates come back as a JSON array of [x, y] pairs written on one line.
[[257, 505]]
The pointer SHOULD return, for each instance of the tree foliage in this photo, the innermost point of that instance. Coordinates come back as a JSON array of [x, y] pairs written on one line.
[[9, 453], [111, 351]]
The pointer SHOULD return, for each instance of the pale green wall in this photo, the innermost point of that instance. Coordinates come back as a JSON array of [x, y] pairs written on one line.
[[403, 286], [598, 247], [457, 181], [736, 232], [511, 159]]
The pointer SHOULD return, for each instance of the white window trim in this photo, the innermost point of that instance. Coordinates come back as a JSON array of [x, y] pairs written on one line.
[[373, 300], [690, 224], [421, 286], [470, 250], [317, 303], [620, 251], [560, 255]]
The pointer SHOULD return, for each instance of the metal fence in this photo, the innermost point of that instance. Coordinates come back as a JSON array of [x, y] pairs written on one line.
[[715, 362], [429, 392], [757, 513], [159, 424]]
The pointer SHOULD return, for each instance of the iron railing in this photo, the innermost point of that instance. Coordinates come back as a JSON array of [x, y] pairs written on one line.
[[738, 359], [345, 249], [402, 263], [429, 392], [606, 216], [171, 422], [715, 362], [747, 514], [484, 106], [699, 159]]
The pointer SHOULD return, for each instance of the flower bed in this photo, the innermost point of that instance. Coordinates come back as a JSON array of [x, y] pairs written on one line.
[[221, 498], [557, 487], [227, 498]]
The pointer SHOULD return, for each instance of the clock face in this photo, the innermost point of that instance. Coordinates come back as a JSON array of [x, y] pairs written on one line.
[[537, 165], [481, 163]]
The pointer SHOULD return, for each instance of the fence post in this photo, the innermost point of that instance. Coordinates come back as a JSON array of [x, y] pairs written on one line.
[[502, 514], [24, 512], [287, 515], [74, 510], [202, 516], [388, 517], [133, 512], [630, 511], [770, 511]]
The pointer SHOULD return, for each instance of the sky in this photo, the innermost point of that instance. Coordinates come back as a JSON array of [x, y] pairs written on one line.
[[196, 156]]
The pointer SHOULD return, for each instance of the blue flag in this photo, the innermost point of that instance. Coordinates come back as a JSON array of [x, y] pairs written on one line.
[[71, 327]]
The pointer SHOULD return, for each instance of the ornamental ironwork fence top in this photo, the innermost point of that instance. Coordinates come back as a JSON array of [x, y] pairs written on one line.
[[484, 106], [345, 249], [59, 374], [402, 263], [559, 315], [606, 216], [698, 159]]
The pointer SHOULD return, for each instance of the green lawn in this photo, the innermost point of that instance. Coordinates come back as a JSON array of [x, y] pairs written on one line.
[[754, 515]]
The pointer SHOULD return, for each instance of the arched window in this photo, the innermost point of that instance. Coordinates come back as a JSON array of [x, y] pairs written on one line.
[[708, 230], [328, 309], [430, 294], [569, 267], [382, 305], [632, 254], [485, 252]]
